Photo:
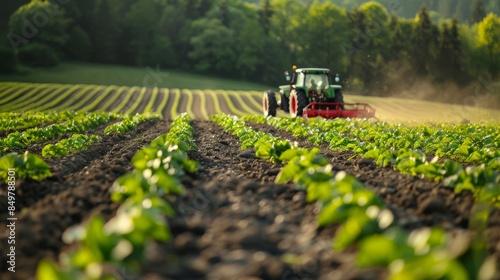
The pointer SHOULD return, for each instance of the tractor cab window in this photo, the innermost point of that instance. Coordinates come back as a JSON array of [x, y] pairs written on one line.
[[300, 79], [317, 81]]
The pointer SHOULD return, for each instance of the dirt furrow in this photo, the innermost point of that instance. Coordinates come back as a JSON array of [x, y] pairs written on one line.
[[85, 190], [31, 191], [235, 223]]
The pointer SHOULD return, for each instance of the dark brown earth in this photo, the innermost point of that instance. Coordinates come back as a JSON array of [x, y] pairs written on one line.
[[234, 222]]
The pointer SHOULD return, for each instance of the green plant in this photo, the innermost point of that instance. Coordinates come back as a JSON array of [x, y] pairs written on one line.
[[26, 165], [128, 123], [76, 123], [74, 144]]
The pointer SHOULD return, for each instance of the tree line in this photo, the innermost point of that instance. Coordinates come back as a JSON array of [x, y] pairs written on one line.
[[370, 45]]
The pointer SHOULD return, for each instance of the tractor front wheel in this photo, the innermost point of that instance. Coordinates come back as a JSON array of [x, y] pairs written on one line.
[[285, 103], [269, 103], [298, 101]]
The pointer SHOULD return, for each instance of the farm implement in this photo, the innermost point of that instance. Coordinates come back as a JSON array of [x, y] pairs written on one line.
[[312, 93]]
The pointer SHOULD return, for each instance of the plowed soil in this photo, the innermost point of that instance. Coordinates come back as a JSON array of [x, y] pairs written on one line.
[[234, 222]]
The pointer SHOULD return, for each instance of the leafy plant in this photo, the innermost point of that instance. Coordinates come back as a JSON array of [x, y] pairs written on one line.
[[129, 123], [77, 123], [74, 144], [26, 165]]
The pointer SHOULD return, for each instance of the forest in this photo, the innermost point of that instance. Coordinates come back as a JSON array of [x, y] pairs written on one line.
[[372, 45], [460, 9]]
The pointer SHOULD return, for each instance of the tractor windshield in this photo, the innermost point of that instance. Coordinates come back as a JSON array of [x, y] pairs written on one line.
[[316, 81]]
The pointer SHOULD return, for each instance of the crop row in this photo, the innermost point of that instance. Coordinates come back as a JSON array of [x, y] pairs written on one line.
[[19, 121], [74, 144], [121, 242], [129, 123], [364, 221], [32, 166], [126, 100], [79, 123], [468, 143], [482, 180]]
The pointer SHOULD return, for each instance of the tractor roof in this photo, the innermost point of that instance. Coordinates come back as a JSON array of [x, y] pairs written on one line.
[[313, 70]]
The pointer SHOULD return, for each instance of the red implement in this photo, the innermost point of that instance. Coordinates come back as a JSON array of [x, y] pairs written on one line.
[[330, 110]]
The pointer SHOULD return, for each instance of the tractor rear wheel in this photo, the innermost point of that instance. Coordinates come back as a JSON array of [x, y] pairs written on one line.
[[269, 103], [298, 101], [285, 103]]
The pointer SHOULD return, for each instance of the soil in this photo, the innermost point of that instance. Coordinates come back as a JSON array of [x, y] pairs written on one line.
[[233, 222]]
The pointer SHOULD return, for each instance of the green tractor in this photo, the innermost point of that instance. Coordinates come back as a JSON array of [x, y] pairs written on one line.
[[310, 93]]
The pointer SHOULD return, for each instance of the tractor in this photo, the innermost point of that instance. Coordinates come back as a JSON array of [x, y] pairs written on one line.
[[312, 93]]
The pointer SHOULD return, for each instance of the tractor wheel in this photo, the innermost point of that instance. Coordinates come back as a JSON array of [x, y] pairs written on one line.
[[285, 103], [269, 103], [339, 97], [298, 101]]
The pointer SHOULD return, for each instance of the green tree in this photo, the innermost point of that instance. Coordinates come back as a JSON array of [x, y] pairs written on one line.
[[401, 32], [489, 38], [423, 49], [274, 60], [79, 46], [376, 25], [287, 16], [39, 21], [104, 30], [175, 27], [323, 30], [449, 59], [141, 21], [212, 46], [371, 27], [195, 9], [250, 43], [265, 14], [478, 11]]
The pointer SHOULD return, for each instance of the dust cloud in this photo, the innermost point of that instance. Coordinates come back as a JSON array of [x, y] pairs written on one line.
[[482, 93]]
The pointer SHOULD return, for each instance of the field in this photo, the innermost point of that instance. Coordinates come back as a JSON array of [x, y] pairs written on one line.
[[225, 208], [99, 74], [200, 104]]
